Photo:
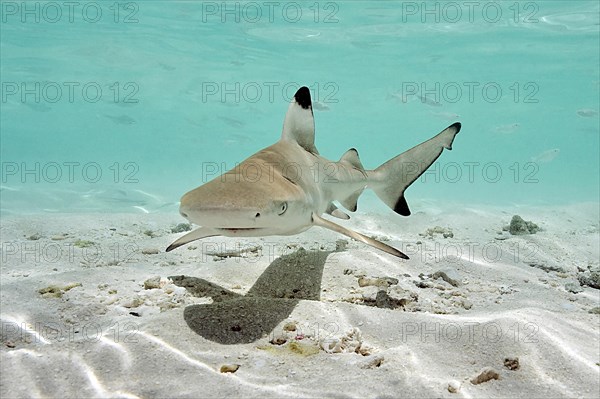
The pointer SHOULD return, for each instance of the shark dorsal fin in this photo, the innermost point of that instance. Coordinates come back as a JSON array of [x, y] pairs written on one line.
[[299, 123]]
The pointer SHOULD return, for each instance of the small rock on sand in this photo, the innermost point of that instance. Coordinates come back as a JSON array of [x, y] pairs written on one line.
[[341, 245], [229, 368], [453, 386], [372, 362], [591, 279], [152, 282], [445, 232], [466, 304], [448, 275], [279, 340], [181, 227], [574, 288], [546, 268], [149, 251], [55, 291], [486, 374], [518, 226], [378, 281], [511, 363]]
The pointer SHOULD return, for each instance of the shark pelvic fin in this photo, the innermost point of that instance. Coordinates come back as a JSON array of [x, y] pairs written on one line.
[[299, 123], [319, 221], [350, 203], [334, 211], [199, 233], [394, 176]]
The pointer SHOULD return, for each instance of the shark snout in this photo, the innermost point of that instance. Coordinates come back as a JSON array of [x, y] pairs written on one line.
[[221, 217], [205, 211]]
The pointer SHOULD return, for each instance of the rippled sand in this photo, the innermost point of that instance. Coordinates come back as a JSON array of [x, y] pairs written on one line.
[[334, 319]]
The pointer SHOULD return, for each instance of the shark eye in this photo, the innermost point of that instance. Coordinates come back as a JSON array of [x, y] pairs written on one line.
[[283, 208]]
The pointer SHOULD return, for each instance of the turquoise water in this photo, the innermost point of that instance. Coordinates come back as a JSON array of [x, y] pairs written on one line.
[[125, 106]]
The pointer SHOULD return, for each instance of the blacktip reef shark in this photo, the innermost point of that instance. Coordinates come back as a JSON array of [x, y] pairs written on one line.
[[285, 188]]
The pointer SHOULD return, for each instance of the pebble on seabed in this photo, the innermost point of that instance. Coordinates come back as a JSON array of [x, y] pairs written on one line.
[[511, 363], [453, 386], [484, 375], [229, 368]]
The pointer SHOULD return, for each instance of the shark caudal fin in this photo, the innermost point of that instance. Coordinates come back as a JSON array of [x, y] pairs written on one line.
[[393, 177], [299, 122]]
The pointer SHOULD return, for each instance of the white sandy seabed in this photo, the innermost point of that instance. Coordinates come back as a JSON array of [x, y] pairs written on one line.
[[92, 306]]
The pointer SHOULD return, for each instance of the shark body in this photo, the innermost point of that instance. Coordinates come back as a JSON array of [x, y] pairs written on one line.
[[285, 188]]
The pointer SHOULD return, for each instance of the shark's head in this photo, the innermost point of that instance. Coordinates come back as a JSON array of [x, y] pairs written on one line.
[[236, 205]]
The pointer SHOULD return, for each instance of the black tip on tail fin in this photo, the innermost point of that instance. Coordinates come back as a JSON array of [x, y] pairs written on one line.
[[302, 97], [397, 174], [401, 207]]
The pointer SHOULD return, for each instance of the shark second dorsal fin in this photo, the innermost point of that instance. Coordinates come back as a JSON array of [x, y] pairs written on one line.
[[299, 123], [351, 157]]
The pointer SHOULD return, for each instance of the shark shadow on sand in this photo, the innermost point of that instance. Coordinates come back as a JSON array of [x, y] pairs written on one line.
[[237, 319]]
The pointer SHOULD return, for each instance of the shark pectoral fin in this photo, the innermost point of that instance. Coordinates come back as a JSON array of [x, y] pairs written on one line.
[[319, 221], [199, 233]]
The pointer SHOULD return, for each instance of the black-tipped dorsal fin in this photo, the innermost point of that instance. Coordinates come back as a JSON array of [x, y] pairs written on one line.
[[299, 123], [351, 157]]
